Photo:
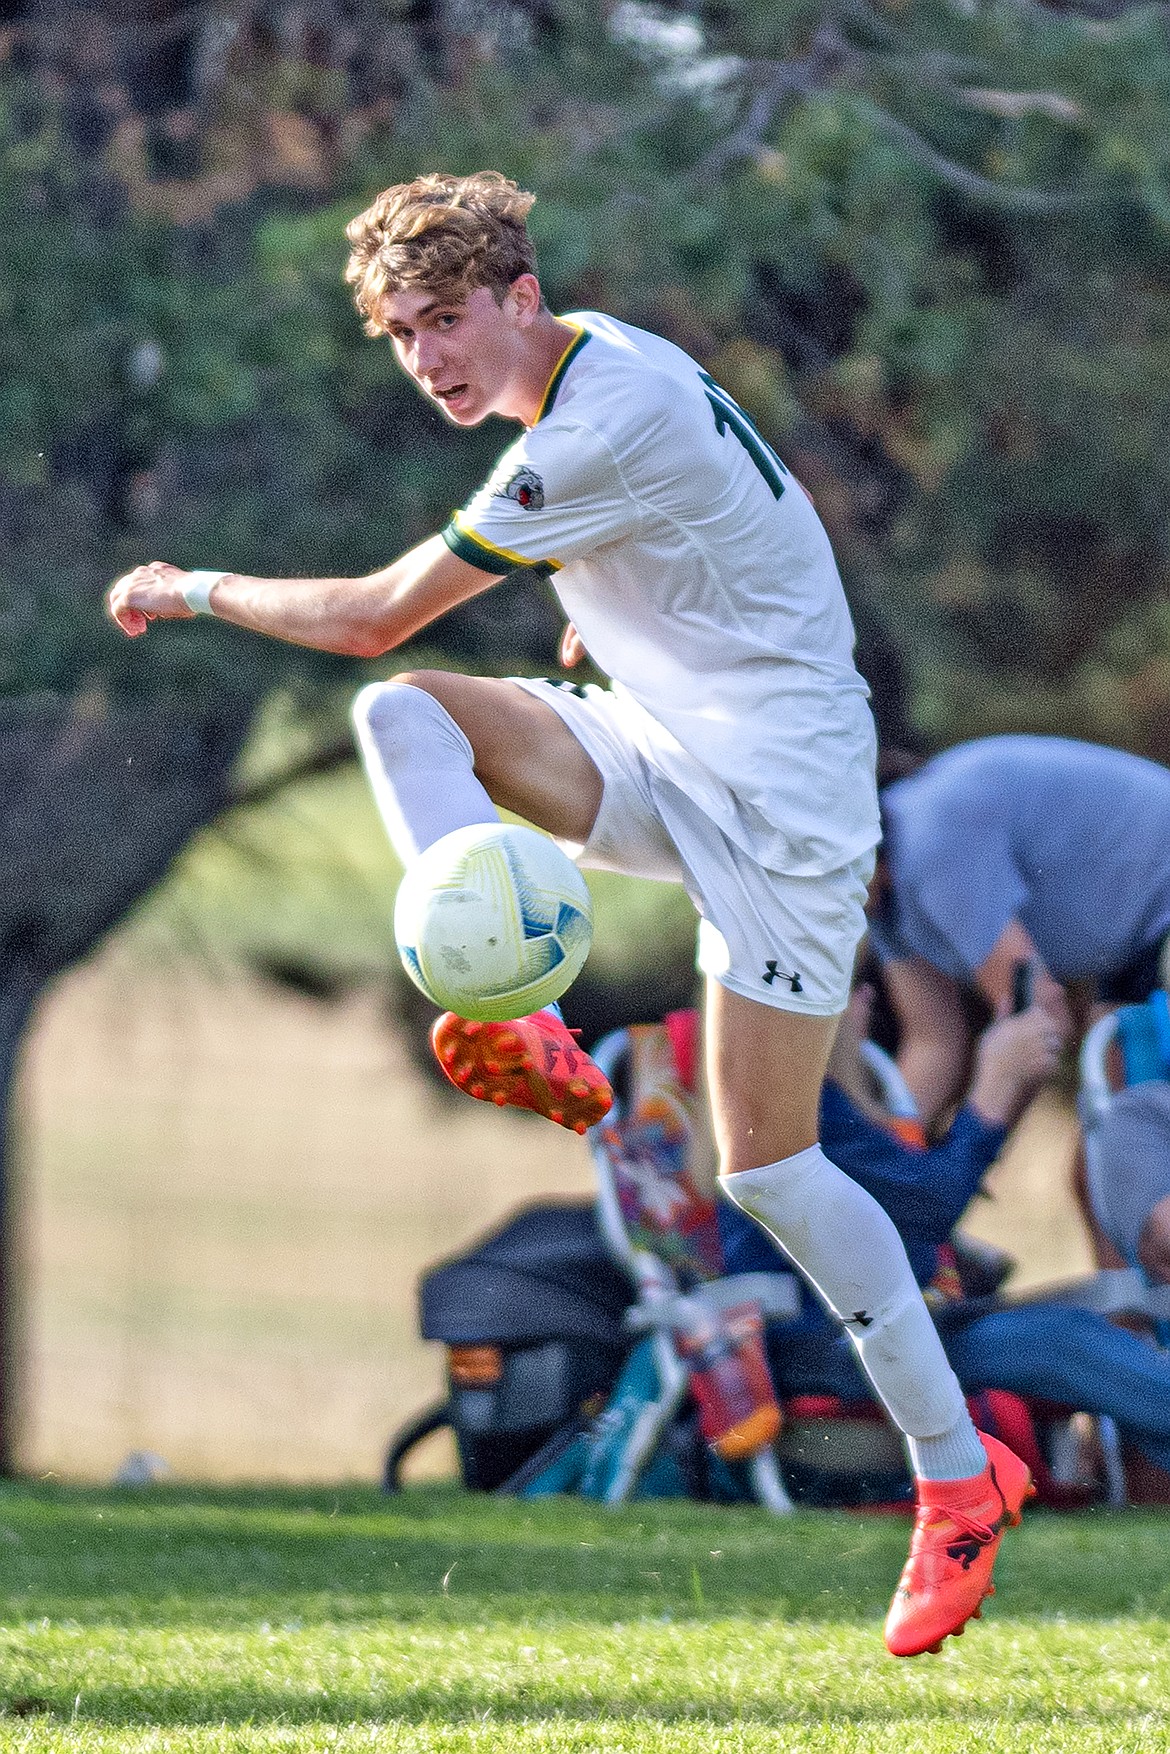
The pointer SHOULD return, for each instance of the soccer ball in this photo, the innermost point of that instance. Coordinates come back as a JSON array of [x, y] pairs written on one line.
[[493, 921]]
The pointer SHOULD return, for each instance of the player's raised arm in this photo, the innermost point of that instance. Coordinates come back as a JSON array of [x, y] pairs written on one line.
[[360, 617]]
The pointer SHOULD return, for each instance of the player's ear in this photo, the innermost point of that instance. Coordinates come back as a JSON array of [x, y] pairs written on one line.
[[524, 298]]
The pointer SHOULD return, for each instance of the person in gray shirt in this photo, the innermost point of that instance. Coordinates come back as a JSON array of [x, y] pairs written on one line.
[[1012, 850]]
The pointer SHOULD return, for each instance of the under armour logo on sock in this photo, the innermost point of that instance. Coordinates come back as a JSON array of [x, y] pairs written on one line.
[[772, 972], [862, 1318]]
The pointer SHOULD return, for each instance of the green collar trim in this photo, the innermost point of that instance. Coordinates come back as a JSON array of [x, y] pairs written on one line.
[[580, 337]]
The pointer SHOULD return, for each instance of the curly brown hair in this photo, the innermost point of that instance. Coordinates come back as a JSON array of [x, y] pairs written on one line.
[[445, 233]]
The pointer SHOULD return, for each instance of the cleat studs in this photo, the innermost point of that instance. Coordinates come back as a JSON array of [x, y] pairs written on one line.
[[580, 1128], [477, 1090], [499, 1098], [989, 1591], [461, 1074], [578, 1087], [448, 1053], [978, 1613], [936, 1649], [557, 1115], [492, 1068], [471, 1028]]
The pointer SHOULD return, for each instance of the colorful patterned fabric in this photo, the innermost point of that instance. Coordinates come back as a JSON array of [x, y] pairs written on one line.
[[651, 1149]]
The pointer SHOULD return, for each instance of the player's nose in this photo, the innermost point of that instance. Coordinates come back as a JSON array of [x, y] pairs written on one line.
[[428, 355]]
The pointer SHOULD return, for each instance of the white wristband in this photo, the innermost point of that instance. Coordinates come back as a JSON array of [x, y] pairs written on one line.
[[197, 591]]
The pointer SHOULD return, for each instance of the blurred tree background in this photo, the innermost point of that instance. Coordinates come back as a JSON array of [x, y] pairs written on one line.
[[926, 243], [927, 246]]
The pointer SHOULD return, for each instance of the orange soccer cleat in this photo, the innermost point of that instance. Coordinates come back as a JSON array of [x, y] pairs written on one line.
[[532, 1062], [957, 1531]]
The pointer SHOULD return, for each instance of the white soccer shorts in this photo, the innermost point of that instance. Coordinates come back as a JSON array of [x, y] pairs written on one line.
[[788, 942]]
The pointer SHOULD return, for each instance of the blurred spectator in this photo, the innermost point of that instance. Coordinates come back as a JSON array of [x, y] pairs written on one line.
[[1073, 1357], [1131, 1185], [1011, 851]]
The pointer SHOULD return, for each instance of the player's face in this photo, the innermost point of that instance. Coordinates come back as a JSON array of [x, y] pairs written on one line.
[[464, 356]]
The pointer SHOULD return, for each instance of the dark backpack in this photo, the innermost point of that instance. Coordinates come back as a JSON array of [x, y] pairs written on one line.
[[532, 1321]]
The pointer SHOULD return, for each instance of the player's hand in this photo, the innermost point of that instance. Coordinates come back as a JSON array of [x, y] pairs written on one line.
[[572, 647], [149, 592]]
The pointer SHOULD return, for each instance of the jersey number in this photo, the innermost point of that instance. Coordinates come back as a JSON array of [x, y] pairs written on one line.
[[730, 417]]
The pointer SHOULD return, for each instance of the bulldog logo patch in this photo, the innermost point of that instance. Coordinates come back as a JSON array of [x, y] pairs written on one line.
[[525, 487]]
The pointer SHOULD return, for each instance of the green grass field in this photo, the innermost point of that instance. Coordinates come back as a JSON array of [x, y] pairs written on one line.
[[177, 1618]]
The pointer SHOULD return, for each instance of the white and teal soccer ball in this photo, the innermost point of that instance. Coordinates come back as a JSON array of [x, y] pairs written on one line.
[[493, 921]]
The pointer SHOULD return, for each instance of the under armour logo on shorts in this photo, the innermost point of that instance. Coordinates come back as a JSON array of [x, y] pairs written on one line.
[[773, 972]]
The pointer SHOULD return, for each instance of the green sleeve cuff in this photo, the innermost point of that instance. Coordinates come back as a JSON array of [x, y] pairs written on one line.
[[477, 551]]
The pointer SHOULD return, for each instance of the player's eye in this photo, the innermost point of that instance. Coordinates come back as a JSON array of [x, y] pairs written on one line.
[[446, 319]]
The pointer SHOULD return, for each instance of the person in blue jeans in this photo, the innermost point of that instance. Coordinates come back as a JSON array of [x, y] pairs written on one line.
[[1075, 1357]]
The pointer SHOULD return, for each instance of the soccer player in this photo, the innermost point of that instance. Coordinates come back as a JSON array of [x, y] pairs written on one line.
[[733, 752]]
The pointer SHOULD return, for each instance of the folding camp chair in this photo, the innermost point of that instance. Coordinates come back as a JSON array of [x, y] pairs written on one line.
[[662, 1229], [1128, 1046], [699, 1331]]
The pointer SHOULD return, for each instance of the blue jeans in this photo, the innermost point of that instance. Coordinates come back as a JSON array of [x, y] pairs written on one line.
[[1070, 1356], [1074, 1357]]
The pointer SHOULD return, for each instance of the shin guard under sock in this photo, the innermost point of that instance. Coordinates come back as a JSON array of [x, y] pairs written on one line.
[[850, 1251]]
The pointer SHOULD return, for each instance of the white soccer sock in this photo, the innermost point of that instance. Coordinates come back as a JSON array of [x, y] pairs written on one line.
[[849, 1250], [949, 1456], [420, 765]]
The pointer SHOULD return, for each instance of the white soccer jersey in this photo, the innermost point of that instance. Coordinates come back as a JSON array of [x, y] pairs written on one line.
[[702, 582]]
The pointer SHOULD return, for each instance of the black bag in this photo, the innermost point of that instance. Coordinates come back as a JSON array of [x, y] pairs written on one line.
[[532, 1318], [532, 1321]]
